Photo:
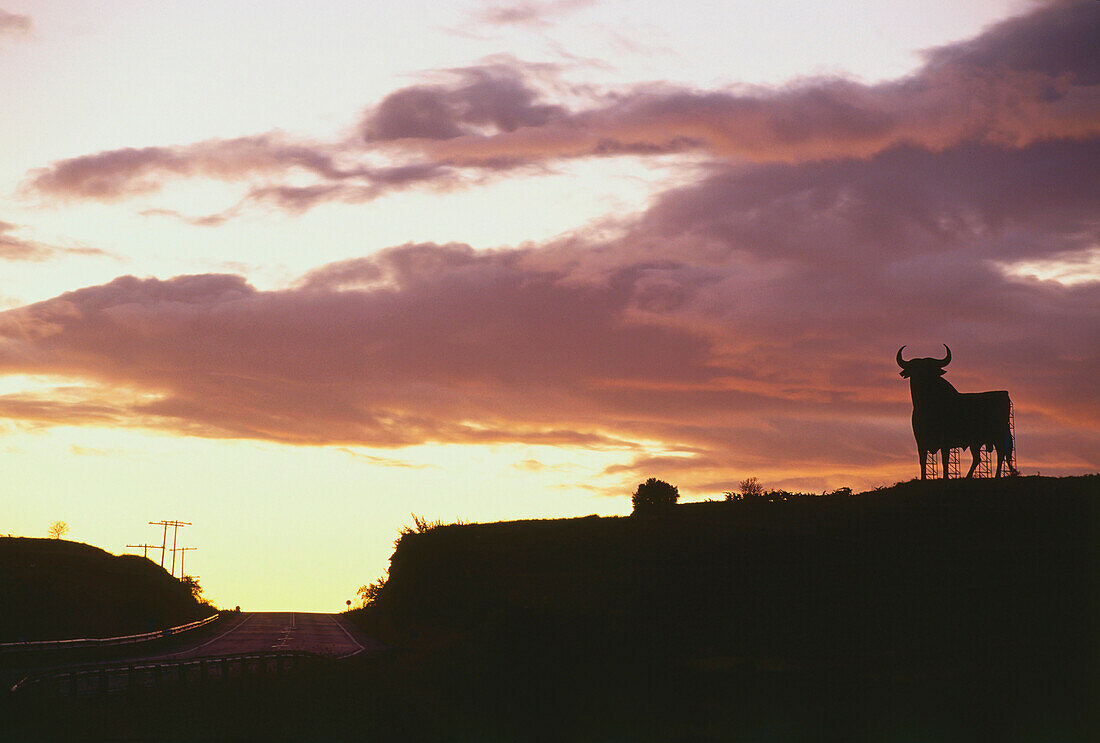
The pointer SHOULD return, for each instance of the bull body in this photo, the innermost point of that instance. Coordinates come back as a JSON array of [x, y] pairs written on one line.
[[946, 419]]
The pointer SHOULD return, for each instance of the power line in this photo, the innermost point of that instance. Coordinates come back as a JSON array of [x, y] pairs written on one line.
[[183, 553], [175, 531], [145, 548]]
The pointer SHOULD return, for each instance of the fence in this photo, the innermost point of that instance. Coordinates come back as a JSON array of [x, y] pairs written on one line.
[[129, 677], [9, 647]]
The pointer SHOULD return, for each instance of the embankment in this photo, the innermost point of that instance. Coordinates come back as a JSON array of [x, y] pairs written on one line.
[[55, 589]]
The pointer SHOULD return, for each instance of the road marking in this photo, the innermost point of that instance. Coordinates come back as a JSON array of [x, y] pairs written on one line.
[[345, 631], [236, 626], [282, 641]]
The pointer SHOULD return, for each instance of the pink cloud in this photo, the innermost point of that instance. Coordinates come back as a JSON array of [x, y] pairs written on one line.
[[749, 319], [1027, 80], [13, 24], [116, 174], [528, 13], [14, 248]]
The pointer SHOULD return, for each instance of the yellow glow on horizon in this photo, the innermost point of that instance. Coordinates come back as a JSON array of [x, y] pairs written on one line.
[[263, 539]]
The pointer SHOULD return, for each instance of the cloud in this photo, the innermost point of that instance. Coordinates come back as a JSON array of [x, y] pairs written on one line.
[[18, 249], [116, 174], [996, 89], [528, 13], [1027, 80], [13, 24], [1053, 40], [488, 96], [386, 461], [746, 323]]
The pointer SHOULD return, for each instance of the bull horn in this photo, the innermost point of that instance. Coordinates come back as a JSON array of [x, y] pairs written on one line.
[[946, 359], [902, 362]]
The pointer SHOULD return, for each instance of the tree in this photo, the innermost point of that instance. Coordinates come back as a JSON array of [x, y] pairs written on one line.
[[57, 530], [192, 583], [654, 495], [369, 593], [751, 488]]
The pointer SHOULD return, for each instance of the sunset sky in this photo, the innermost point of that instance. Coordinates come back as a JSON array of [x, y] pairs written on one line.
[[292, 271]]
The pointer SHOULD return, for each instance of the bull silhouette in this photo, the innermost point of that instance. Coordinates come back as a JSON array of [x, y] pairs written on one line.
[[946, 419]]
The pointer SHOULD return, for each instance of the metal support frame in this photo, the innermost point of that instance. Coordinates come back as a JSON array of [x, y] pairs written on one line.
[[987, 463]]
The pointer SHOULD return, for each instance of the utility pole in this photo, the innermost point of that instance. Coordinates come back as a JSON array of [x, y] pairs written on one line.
[[145, 549], [163, 541], [175, 531], [183, 553]]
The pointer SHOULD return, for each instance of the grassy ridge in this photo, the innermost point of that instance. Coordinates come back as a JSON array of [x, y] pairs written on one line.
[[56, 589], [945, 610], [921, 573]]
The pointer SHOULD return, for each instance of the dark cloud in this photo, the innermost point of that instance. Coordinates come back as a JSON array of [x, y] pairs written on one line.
[[1057, 39], [1028, 79], [491, 97]]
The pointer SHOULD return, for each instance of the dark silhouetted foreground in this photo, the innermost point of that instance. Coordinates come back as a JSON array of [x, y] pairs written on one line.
[[53, 589], [932, 611]]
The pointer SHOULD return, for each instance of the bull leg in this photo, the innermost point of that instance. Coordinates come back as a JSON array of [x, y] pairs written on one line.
[[976, 453], [1003, 453], [945, 455]]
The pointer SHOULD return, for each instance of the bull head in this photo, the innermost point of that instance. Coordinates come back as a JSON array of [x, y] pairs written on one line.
[[923, 366]]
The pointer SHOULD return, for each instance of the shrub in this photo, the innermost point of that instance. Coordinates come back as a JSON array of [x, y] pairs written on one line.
[[369, 593], [654, 496]]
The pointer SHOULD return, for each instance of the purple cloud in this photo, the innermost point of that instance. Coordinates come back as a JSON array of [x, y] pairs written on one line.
[[1024, 81], [748, 320]]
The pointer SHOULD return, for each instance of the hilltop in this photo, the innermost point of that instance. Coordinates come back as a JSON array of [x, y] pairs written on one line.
[[807, 575], [967, 603], [56, 589]]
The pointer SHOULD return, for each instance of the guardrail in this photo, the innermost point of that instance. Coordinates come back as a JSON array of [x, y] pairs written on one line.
[[96, 642], [124, 678]]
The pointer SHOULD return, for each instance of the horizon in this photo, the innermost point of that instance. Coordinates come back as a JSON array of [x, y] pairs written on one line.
[[293, 275]]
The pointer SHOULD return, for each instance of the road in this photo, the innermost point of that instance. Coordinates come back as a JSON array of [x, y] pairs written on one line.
[[323, 634], [238, 639]]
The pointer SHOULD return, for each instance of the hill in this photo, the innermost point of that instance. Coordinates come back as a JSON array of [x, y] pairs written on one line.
[[944, 562], [960, 602], [56, 589]]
